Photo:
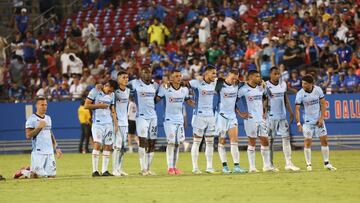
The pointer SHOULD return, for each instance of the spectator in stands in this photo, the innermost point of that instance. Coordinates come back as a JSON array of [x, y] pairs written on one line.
[[53, 27], [294, 82], [88, 28], [115, 72], [94, 46], [65, 60], [293, 56], [75, 65], [139, 32], [21, 22], [331, 81], [351, 82], [17, 68], [76, 89], [312, 52], [3, 44], [143, 50], [2, 81], [50, 64], [75, 30], [16, 92], [214, 53], [64, 91], [44, 91], [17, 45], [157, 32], [29, 47], [195, 68], [343, 54], [227, 22], [284, 73], [84, 116], [204, 28]]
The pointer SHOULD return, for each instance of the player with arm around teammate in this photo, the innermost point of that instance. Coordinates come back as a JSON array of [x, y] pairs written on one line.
[[312, 99]]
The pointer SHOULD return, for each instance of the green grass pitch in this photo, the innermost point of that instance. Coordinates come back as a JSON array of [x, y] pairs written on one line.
[[75, 184]]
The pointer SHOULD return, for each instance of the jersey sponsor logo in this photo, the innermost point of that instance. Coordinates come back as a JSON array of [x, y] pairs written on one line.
[[230, 95], [312, 102], [147, 94], [175, 100], [208, 93], [122, 100], [277, 94], [254, 98]]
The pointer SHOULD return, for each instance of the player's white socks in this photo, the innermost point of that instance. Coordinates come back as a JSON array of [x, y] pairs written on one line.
[[307, 152], [325, 153], [148, 159], [234, 149], [95, 160], [177, 149], [115, 159], [287, 150], [170, 155], [265, 153], [105, 161], [195, 152], [121, 160], [143, 164], [209, 152], [222, 153], [251, 156], [26, 173]]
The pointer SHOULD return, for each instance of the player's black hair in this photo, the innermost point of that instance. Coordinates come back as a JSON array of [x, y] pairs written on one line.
[[209, 67], [122, 72], [251, 72], [308, 78], [273, 68], [113, 84], [234, 71]]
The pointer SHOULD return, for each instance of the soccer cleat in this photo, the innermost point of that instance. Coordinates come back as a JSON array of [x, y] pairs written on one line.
[[226, 170], [123, 173], [291, 167], [253, 170], [116, 173], [270, 169], [18, 174], [96, 174], [144, 173], [330, 167], [238, 169], [178, 171], [196, 171], [212, 171], [150, 173], [171, 171], [309, 168], [2, 178], [106, 173]]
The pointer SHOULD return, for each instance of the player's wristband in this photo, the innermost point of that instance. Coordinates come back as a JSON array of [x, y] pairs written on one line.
[[57, 147], [298, 124]]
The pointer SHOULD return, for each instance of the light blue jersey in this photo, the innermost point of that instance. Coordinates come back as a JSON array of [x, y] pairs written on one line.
[[42, 143], [174, 102], [204, 97], [121, 106], [227, 99], [276, 98], [253, 97], [144, 98], [311, 103], [101, 116]]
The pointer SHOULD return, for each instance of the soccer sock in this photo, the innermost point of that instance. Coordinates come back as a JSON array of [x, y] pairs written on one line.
[[115, 159], [121, 160], [176, 156], [105, 161], [170, 155], [142, 158], [26, 173], [251, 156], [95, 160], [150, 157], [209, 151], [307, 152], [234, 149], [195, 152], [222, 153], [287, 150], [265, 153], [271, 150], [325, 153]]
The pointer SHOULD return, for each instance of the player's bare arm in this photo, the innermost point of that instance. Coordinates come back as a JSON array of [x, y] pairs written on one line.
[[288, 107], [55, 145], [322, 114], [32, 132], [91, 106], [297, 117]]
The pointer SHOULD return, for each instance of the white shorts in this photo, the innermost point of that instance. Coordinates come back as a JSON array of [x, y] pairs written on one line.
[[255, 129], [203, 126], [311, 130], [224, 124], [102, 133], [146, 128], [174, 132], [43, 165], [278, 127], [120, 138]]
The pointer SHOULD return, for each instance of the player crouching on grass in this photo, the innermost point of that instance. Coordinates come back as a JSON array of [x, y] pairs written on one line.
[[104, 123], [38, 129], [311, 98]]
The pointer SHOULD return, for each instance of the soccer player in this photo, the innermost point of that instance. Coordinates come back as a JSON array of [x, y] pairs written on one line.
[[252, 94], [121, 106], [203, 120], [38, 129], [144, 91], [276, 104], [101, 101], [311, 98], [174, 96], [226, 121]]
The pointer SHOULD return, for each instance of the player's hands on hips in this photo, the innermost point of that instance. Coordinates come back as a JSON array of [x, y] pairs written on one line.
[[58, 153], [42, 124], [300, 129], [320, 122]]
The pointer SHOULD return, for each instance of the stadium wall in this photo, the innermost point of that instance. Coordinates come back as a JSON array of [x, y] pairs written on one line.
[[342, 118]]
